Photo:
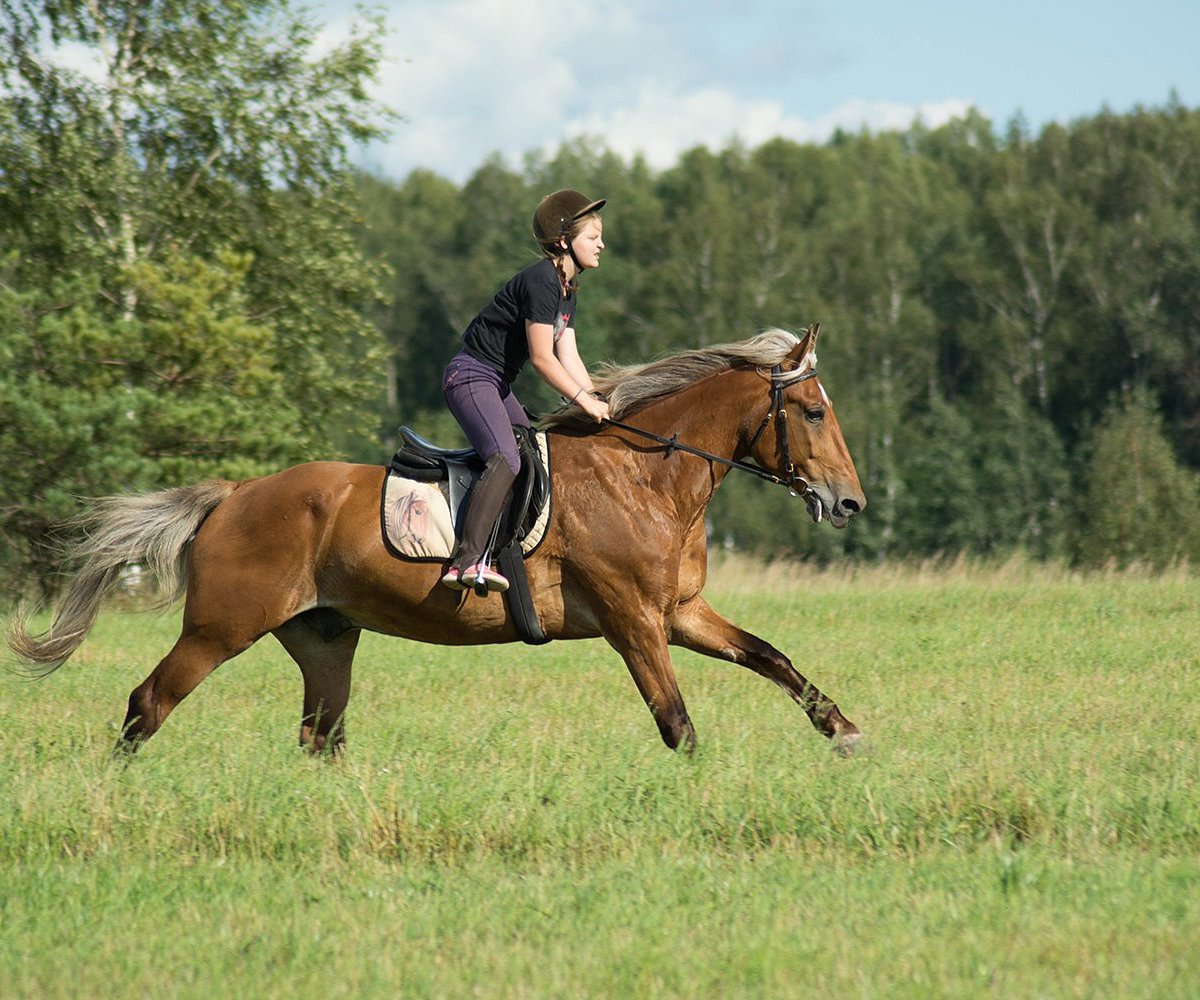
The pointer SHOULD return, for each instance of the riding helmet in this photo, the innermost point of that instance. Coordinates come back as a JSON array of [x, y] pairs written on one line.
[[553, 217]]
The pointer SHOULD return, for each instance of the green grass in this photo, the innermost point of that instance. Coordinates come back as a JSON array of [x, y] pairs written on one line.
[[1026, 821]]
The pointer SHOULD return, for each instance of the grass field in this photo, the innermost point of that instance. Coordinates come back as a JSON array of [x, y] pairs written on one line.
[[1025, 823]]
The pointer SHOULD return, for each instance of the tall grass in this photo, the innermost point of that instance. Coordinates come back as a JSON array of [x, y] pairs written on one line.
[[1026, 820]]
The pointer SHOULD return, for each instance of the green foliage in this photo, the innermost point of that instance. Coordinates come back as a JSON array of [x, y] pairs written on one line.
[[97, 404], [940, 494], [182, 292], [988, 480], [983, 292], [1138, 503], [981, 296], [413, 229]]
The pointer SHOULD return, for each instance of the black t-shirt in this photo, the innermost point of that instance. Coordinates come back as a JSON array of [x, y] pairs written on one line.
[[497, 335]]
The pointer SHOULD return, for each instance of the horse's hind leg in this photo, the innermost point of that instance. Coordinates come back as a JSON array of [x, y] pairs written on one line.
[[323, 646], [698, 627], [195, 655]]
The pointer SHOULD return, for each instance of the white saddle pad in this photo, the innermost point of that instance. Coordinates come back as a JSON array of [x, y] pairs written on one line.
[[416, 516]]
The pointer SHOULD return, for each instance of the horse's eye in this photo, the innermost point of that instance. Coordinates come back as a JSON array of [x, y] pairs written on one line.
[[815, 414]]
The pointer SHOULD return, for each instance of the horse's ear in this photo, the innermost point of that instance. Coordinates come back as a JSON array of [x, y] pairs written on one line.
[[808, 342]]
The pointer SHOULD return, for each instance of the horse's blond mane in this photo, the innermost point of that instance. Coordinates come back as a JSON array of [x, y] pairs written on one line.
[[630, 387]]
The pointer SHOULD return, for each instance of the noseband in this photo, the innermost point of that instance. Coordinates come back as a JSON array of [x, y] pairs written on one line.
[[797, 486]]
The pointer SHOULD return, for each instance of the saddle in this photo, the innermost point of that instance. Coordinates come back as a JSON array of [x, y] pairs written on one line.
[[425, 494]]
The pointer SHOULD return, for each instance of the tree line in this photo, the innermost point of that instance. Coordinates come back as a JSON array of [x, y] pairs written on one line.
[[195, 281], [1011, 322]]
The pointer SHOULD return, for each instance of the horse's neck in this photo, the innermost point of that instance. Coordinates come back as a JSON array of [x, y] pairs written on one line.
[[640, 476], [711, 415]]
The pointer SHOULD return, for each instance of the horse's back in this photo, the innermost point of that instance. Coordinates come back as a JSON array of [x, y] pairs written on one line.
[[288, 512], [310, 536]]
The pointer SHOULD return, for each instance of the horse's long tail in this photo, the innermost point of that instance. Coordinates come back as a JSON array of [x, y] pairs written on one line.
[[154, 529]]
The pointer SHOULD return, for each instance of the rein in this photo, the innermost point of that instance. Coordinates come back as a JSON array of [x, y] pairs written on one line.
[[780, 380]]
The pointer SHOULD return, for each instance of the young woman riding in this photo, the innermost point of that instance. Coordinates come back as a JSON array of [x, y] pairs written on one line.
[[532, 318]]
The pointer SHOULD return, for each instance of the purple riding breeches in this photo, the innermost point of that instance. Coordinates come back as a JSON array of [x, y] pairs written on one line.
[[485, 407]]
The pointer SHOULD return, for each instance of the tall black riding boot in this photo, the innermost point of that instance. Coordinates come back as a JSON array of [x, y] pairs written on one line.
[[484, 505]]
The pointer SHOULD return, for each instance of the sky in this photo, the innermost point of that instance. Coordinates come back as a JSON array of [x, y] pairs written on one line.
[[475, 78]]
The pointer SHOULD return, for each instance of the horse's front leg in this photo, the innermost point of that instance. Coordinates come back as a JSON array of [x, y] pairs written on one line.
[[698, 627], [642, 642]]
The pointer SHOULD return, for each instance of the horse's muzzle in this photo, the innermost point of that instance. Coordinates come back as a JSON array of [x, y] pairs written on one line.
[[839, 512]]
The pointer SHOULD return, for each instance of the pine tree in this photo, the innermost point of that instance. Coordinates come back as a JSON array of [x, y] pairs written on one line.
[[1139, 505], [181, 290]]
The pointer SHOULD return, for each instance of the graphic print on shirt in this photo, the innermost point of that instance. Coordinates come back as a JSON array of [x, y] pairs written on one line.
[[560, 324]]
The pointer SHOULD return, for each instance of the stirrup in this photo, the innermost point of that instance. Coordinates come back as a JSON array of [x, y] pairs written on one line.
[[483, 573]]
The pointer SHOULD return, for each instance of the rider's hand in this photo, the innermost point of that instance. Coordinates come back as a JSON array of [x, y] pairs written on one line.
[[595, 408]]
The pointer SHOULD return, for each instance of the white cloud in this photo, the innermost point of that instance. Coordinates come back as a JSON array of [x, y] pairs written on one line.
[[880, 116], [477, 77], [660, 122], [471, 77]]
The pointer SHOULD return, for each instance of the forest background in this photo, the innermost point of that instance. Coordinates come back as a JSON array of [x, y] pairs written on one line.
[[195, 280]]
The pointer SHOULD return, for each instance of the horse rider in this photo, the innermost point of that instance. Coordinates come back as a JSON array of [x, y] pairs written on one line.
[[531, 318]]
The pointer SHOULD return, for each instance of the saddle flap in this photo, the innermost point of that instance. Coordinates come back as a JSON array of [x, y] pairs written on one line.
[[523, 490]]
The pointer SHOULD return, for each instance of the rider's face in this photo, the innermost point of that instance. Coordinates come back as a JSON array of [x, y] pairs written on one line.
[[588, 244]]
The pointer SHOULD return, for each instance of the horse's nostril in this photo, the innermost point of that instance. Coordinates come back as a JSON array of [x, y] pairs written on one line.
[[850, 506]]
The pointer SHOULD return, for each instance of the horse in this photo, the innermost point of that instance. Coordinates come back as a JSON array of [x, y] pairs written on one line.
[[299, 554]]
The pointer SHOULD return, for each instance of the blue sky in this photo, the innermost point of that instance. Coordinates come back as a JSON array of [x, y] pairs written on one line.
[[478, 77]]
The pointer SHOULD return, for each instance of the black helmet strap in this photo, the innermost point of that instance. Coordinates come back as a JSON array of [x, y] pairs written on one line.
[[571, 251]]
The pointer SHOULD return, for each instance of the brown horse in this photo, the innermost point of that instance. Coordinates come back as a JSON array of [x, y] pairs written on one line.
[[299, 553]]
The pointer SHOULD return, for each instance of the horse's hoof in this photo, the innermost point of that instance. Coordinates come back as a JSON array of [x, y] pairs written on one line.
[[848, 744]]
